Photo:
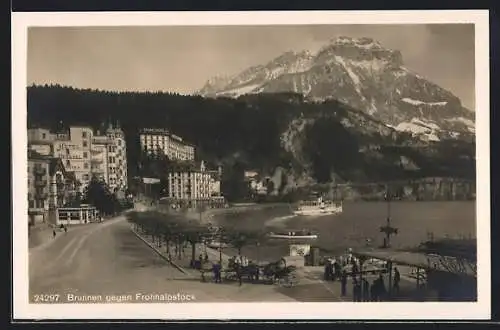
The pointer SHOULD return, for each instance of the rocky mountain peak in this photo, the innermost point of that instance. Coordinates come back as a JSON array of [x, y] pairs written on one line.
[[363, 74], [360, 49]]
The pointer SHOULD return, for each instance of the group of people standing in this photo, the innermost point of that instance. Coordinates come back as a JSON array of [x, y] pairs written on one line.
[[362, 290], [334, 268], [239, 260]]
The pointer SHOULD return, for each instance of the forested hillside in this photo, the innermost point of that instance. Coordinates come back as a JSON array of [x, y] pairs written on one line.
[[318, 141]]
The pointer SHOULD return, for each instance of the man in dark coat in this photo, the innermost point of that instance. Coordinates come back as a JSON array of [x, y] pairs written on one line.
[[338, 269], [328, 271], [397, 278], [366, 290], [356, 290], [343, 283], [373, 291], [381, 290], [217, 269], [239, 273]]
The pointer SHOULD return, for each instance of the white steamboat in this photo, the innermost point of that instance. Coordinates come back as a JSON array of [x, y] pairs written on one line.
[[318, 207]]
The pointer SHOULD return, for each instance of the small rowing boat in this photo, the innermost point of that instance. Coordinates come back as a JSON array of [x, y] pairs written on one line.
[[216, 245], [293, 235]]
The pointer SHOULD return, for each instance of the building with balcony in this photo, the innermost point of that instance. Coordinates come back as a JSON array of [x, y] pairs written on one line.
[[74, 149], [117, 158], [156, 141], [49, 186], [195, 187], [85, 153], [99, 157]]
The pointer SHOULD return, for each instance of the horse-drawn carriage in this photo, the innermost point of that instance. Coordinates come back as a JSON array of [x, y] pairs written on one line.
[[274, 273], [279, 273]]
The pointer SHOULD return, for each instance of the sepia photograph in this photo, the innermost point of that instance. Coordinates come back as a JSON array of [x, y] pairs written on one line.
[[266, 159]]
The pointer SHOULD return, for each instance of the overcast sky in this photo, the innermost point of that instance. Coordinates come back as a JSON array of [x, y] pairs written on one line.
[[181, 59]]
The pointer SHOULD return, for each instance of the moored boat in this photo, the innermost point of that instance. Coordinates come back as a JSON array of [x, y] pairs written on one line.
[[216, 244], [293, 235]]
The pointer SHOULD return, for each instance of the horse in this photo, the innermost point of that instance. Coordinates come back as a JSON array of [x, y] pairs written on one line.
[[278, 271]]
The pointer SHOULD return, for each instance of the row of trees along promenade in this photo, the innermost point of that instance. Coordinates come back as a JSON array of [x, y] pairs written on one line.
[[174, 232]]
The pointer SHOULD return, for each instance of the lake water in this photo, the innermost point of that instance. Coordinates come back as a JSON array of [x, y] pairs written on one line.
[[358, 222]]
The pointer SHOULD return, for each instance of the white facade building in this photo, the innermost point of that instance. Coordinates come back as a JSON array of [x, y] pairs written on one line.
[[156, 141], [117, 158], [195, 187], [74, 150]]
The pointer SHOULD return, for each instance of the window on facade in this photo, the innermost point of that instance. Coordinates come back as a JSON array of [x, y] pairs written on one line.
[[85, 144], [85, 155], [68, 163], [119, 142], [85, 165], [43, 135], [84, 135], [85, 177]]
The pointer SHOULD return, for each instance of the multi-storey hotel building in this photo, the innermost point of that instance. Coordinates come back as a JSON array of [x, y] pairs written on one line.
[[117, 158], [85, 153], [194, 188], [157, 141], [49, 186]]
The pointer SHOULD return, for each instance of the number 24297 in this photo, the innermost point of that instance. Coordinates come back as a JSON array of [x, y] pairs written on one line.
[[46, 298]]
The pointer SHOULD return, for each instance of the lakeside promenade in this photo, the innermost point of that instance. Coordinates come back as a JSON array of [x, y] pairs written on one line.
[[110, 258], [308, 274]]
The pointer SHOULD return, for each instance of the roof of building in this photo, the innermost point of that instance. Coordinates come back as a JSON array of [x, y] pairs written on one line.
[[33, 155], [400, 257], [71, 175], [414, 259], [164, 131], [40, 142], [55, 164], [101, 139], [154, 131], [459, 248]]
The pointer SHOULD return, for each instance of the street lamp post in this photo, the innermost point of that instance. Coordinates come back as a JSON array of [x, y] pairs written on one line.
[[221, 234], [388, 230], [258, 251]]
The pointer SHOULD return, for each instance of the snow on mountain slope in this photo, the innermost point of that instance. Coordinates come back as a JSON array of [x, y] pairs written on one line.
[[417, 102], [426, 130], [471, 126], [248, 89]]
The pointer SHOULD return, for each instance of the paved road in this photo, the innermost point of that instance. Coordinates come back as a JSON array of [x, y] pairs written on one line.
[[108, 259]]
